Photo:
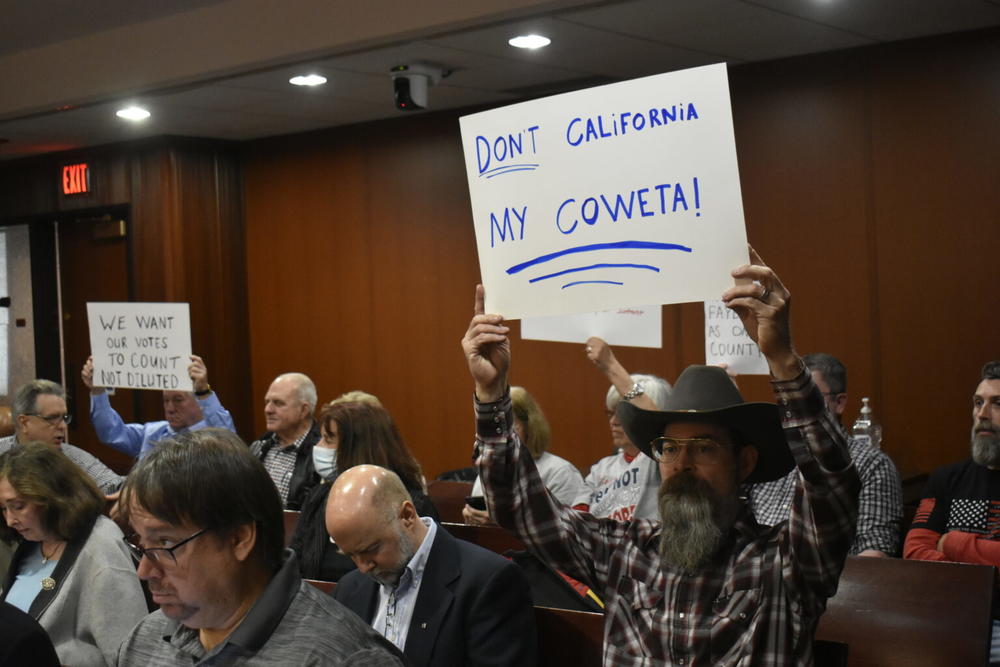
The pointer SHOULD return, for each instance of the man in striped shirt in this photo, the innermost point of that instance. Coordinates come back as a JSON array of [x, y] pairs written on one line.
[[705, 585]]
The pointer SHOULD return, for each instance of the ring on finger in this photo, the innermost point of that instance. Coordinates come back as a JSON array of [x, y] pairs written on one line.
[[766, 293]]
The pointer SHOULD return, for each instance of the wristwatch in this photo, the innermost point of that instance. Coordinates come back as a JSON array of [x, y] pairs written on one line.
[[636, 390]]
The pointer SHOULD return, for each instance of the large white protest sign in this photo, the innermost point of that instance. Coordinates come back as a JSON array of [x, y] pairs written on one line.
[[727, 341], [141, 345], [616, 196], [638, 326]]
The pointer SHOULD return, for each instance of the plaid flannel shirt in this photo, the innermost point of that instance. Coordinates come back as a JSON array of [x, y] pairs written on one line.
[[756, 603], [880, 504]]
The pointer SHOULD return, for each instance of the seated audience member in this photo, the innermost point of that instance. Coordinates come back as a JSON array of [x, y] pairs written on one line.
[[39, 411], [286, 448], [880, 505], [71, 571], [442, 600], [362, 433], [560, 477], [705, 585], [183, 411], [325, 449], [208, 535], [623, 486], [24, 641], [957, 519]]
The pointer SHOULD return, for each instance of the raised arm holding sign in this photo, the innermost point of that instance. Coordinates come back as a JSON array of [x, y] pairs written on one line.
[[705, 585], [148, 346]]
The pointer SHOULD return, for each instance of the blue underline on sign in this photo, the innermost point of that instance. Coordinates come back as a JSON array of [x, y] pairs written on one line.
[[595, 266], [527, 166], [592, 282], [618, 245]]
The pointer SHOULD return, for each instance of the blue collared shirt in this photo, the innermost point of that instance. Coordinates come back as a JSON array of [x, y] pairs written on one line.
[[395, 604], [138, 439]]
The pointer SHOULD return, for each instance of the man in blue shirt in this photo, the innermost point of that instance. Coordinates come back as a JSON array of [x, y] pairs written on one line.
[[184, 411]]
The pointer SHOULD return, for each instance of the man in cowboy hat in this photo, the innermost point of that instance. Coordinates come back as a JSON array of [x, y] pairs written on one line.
[[706, 585]]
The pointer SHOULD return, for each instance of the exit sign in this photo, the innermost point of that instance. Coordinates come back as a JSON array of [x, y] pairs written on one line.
[[76, 179]]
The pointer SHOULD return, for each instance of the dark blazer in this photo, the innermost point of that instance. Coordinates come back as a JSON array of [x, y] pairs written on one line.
[[474, 608]]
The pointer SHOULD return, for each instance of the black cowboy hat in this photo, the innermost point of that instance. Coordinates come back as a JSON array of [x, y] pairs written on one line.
[[706, 394]]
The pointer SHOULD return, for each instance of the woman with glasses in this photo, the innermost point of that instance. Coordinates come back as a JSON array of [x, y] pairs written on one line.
[[362, 433], [71, 570]]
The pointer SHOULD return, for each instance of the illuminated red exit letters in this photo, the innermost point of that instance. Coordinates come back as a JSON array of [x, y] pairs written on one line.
[[75, 179]]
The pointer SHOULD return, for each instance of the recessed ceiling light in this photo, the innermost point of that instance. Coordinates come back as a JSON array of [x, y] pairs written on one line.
[[132, 113], [529, 41], [307, 80]]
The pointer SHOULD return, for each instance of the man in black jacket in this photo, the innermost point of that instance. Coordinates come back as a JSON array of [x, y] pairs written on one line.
[[441, 600]]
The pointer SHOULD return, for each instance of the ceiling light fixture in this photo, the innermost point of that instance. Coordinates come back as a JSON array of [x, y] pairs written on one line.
[[132, 113], [529, 41], [307, 80]]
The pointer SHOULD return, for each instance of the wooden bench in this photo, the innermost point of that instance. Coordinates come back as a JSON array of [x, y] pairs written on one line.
[[886, 612], [493, 538], [449, 498], [576, 639], [913, 613]]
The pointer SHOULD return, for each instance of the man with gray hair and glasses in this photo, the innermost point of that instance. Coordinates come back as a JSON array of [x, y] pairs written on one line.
[[880, 505], [208, 535], [40, 415]]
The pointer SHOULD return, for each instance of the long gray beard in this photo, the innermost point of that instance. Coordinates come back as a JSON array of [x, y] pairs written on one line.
[[695, 521], [986, 447]]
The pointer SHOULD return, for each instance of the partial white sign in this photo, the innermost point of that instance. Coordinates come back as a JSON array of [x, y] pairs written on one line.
[[638, 326], [616, 196], [726, 340], [141, 345]]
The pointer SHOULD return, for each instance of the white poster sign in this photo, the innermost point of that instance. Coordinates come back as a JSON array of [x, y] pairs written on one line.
[[141, 345], [638, 326], [726, 340], [616, 196]]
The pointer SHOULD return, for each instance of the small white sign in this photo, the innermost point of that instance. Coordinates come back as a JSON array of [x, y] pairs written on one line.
[[616, 196], [634, 327], [726, 340], [141, 345]]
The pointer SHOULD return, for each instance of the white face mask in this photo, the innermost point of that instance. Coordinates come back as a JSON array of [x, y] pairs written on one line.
[[325, 461]]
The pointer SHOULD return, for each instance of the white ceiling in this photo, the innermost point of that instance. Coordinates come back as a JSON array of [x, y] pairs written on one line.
[[167, 55]]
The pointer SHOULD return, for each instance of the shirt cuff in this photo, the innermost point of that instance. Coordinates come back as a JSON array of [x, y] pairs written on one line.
[[799, 400], [493, 420]]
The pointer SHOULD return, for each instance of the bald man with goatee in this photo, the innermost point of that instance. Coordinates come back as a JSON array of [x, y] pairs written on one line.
[[441, 600]]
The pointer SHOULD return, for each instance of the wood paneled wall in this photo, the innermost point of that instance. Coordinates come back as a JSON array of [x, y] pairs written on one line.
[[185, 243], [870, 184]]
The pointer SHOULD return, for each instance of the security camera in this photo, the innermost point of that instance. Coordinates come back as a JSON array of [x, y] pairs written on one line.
[[410, 84]]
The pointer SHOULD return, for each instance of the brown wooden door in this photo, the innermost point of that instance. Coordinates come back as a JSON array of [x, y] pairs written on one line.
[[94, 266]]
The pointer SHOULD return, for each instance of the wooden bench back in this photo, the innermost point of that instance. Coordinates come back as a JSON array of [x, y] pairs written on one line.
[[449, 498], [576, 639], [492, 538], [6, 421], [913, 613]]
